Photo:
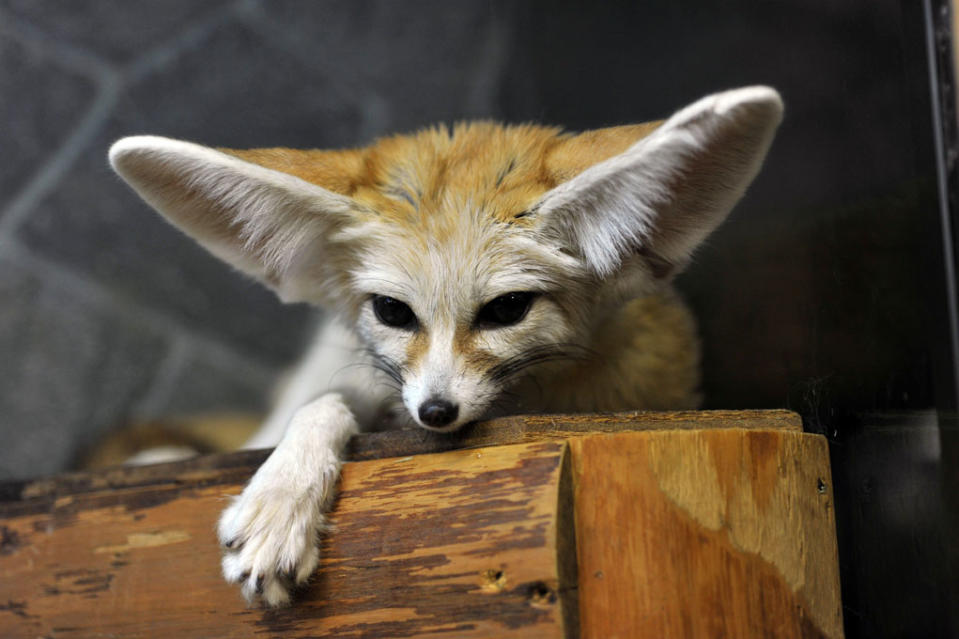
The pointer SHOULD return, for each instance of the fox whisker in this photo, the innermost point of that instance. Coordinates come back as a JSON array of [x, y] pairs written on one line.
[[385, 365], [510, 367]]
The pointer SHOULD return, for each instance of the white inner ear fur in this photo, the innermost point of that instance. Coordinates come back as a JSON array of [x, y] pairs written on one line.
[[263, 222], [667, 192]]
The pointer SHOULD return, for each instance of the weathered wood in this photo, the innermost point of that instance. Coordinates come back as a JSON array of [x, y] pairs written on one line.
[[677, 532], [456, 544], [521, 428], [233, 467], [705, 534]]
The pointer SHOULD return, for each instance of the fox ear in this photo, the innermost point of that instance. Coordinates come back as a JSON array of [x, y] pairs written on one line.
[[663, 195], [268, 224]]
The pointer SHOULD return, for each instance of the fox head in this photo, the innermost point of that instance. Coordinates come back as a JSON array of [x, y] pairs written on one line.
[[464, 257]]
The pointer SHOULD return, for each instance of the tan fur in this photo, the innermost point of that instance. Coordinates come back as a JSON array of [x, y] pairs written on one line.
[[465, 345], [646, 357], [413, 178], [201, 433], [417, 348]]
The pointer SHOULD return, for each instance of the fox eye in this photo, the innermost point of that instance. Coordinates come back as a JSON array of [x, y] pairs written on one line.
[[393, 312], [505, 309]]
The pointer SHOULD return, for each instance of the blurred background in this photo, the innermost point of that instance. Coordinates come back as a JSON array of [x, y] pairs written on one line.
[[830, 290]]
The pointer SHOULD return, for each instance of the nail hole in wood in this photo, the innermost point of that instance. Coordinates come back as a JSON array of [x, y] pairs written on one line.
[[540, 595], [493, 580]]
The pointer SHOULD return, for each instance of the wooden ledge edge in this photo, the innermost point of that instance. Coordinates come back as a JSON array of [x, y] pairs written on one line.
[[225, 468]]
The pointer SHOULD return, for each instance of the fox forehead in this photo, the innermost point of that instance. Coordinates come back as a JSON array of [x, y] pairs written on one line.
[[448, 278], [426, 180], [449, 209]]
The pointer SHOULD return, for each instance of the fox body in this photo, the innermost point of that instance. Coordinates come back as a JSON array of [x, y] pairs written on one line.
[[467, 272]]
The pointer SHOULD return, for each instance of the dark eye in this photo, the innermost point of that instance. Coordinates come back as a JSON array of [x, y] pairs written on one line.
[[505, 310], [393, 312]]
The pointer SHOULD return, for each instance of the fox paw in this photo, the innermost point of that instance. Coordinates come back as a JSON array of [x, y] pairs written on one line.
[[270, 543], [270, 533]]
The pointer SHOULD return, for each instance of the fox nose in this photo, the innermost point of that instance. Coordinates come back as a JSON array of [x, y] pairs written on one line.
[[438, 412]]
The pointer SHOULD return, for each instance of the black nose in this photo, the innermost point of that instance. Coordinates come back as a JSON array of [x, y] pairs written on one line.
[[438, 412]]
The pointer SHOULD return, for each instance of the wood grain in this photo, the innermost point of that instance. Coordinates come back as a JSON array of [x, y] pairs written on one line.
[[705, 534], [456, 544]]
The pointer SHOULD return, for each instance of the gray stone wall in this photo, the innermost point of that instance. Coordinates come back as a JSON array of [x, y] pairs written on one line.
[[108, 315]]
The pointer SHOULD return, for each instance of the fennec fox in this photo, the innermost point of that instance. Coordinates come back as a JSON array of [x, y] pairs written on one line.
[[472, 271]]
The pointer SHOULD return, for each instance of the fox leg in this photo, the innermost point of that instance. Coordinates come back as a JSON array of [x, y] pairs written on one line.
[[270, 533]]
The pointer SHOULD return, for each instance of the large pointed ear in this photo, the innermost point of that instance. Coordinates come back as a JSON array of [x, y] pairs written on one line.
[[660, 197], [269, 224]]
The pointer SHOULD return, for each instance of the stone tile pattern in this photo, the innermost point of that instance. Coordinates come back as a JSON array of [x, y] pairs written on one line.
[[108, 315]]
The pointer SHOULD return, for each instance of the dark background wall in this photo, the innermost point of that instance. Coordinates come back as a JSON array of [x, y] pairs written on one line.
[[825, 292]]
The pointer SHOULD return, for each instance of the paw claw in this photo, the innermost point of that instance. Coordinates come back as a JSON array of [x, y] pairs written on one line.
[[232, 568], [307, 566], [275, 594]]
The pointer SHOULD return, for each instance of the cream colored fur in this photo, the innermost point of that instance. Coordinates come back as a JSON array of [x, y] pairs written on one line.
[[593, 226]]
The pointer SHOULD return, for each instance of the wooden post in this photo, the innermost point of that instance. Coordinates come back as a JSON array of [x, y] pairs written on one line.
[[538, 528], [705, 533]]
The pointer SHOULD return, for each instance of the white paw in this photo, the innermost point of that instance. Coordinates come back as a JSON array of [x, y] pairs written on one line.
[[270, 533], [271, 542]]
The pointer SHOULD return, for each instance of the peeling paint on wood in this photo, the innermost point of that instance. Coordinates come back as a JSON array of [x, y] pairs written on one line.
[[414, 539], [146, 540]]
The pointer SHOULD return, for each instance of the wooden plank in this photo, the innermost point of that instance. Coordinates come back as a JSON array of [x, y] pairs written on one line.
[[725, 533], [523, 428], [455, 544], [232, 467]]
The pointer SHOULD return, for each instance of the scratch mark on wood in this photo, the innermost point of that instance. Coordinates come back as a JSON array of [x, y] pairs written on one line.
[[9, 541], [82, 581], [18, 608]]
